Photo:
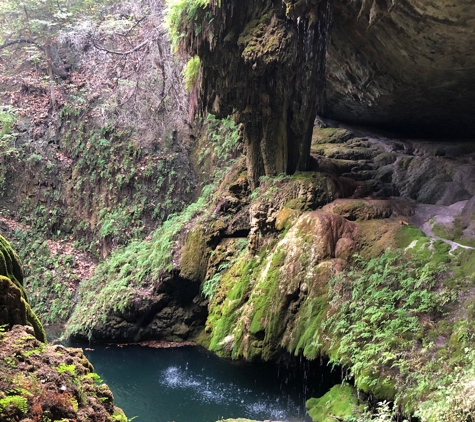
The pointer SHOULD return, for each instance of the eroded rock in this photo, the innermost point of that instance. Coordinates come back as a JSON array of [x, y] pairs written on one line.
[[262, 302]]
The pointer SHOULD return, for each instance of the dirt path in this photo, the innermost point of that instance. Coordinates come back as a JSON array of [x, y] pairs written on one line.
[[440, 214]]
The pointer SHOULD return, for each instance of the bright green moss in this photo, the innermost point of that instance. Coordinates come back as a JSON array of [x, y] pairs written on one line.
[[375, 383], [33, 320], [181, 14], [310, 317], [408, 234], [226, 301], [190, 72], [235, 305], [264, 295], [16, 401], [337, 404]]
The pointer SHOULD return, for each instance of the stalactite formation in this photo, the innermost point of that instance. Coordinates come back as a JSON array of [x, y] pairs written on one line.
[[265, 62]]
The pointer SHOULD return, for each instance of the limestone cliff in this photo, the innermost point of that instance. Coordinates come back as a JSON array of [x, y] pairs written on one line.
[[368, 262], [379, 285], [266, 61]]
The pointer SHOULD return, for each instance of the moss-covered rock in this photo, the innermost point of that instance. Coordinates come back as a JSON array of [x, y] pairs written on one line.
[[10, 265], [360, 209], [330, 135], [194, 256], [43, 382], [14, 307], [337, 404], [276, 299]]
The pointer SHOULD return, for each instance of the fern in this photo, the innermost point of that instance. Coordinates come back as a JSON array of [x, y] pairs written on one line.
[[16, 401], [190, 72], [375, 314]]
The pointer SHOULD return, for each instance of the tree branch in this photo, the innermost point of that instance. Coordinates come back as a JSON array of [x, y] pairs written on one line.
[[121, 53], [135, 25], [21, 41]]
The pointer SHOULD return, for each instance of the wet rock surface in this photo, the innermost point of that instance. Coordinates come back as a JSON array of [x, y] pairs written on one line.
[[14, 306], [424, 171]]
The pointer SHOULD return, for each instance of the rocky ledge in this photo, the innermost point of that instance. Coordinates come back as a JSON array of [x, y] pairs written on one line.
[[41, 382], [46, 382]]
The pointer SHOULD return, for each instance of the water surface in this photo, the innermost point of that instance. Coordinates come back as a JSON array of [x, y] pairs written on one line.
[[189, 384]]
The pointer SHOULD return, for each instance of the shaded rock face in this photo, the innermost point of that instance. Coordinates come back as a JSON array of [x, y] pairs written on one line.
[[403, 65], [12, 307], [429, 172], [173, 310]]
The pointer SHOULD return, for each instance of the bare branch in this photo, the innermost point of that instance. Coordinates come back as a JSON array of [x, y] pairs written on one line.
[[122, 53], [21, 41], [135, 25]]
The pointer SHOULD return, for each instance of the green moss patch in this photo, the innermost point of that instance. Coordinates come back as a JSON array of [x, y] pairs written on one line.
[[14, 304], [194, 257], [330, 135], [337, 404], [407, 235]]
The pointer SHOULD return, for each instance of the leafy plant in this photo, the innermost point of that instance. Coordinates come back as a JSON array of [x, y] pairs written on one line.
[[113, 283], [190, 72], [384, 413], [181, 13], [135, 265], [63, 367], [19, 402], [97, 380], [375, 316], [219, 146], [210, 285]]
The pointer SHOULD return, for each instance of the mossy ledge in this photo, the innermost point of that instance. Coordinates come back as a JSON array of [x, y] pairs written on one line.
[[14, 306], [337, 404]]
